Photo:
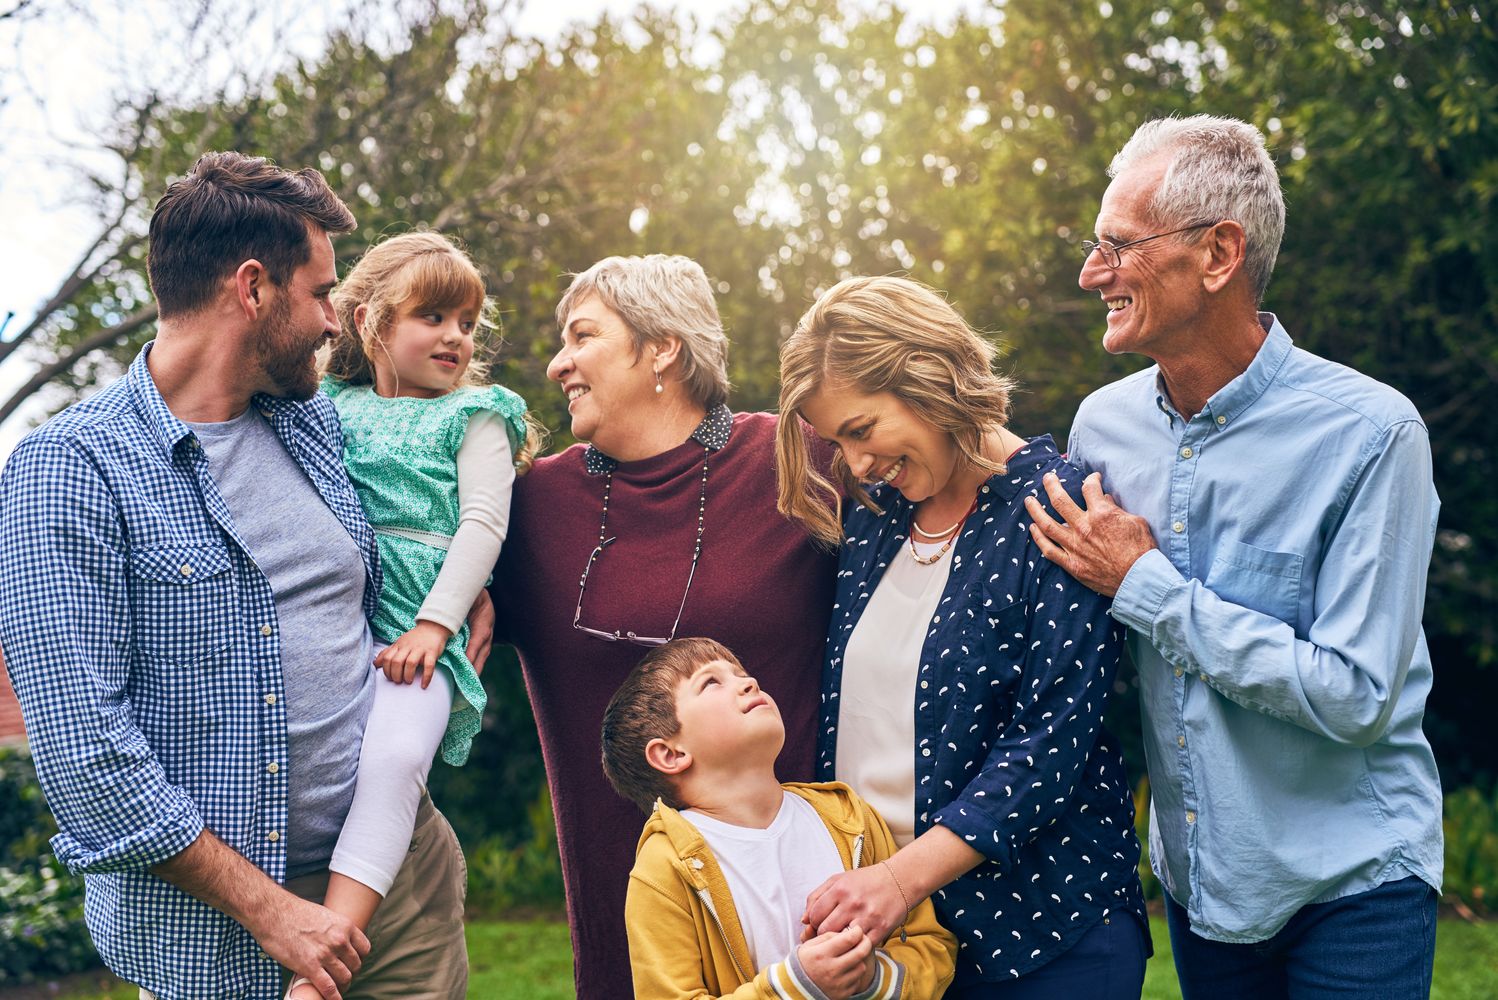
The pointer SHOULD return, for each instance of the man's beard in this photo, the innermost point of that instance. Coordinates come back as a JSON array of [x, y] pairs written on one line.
[[288, 359]]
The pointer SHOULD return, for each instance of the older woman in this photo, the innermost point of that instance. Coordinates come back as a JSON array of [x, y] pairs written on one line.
[[965, 675], [663, 525]]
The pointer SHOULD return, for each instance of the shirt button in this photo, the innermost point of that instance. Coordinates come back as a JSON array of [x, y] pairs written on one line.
[[273, 767], [925, 751], [925, 685], [1180, 742], [1179, 672], [1190, 816], [1185, 452], [1221, 421], [1205, 678], [273, 836], [270, 699], [266, 630], [1178, 527], [187, 571]]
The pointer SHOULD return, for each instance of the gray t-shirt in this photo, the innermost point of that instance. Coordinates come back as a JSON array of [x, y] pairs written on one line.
[[316, 573]]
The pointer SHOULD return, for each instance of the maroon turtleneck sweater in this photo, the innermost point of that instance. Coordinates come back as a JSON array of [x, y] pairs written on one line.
[[761, 589]]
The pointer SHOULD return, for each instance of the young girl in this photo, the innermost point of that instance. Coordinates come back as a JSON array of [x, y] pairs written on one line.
[[432, 452]]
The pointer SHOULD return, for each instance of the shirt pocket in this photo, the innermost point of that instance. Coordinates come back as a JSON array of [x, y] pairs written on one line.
[[181, 602], [1261, 579], [990, 666]]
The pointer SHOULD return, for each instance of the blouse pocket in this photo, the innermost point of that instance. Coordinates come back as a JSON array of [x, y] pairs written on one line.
[[992, 657], [1261, 579], [181, 602]]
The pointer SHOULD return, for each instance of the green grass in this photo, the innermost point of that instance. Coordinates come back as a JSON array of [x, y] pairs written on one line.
[[532, 960]]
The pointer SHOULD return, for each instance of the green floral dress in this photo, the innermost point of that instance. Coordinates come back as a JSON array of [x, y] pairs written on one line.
[[401, 454]]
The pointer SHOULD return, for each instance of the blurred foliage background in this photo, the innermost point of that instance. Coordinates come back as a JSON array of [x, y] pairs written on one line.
[[789, 144]]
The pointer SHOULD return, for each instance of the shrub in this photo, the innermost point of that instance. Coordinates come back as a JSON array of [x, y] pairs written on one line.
[[41, 905], [1471, 827], [527, 876]]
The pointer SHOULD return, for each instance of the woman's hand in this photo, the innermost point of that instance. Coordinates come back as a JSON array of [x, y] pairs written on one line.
[[416, 651], [480, 631], [867, 897]]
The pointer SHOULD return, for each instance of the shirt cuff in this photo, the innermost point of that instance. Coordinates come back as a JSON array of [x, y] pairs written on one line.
[[1143, 592], [138, 850], [889, 979]]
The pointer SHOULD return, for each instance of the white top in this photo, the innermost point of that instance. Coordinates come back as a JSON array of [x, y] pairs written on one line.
[[876, 711], [770, 872], [486, 474]]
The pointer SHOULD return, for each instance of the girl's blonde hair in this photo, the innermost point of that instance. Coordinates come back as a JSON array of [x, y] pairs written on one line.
[[882, 334], [413, 273]]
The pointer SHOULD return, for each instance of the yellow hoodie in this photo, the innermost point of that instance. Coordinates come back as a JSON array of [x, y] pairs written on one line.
[[685, 942]]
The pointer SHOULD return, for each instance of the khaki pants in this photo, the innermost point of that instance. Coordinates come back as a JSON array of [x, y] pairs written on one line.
[[417, 950]]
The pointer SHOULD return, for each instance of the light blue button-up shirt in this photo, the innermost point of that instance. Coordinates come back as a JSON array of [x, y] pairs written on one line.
[[1282, 665]]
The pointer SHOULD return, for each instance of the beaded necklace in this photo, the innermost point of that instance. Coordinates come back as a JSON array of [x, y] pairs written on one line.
[[951, 536]]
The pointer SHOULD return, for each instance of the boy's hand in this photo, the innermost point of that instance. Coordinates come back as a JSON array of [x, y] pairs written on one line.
[[416, 651], [840, 964]]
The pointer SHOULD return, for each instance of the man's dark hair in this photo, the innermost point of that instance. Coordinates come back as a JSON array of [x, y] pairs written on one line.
[[644, 709], [231, 208]]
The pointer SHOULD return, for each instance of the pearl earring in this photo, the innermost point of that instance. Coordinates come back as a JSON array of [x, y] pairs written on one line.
[[659, 388]]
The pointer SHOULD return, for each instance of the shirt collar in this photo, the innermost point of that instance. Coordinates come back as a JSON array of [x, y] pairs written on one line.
[[168, 431], [1227, 403], [172, 433], [712, 434]]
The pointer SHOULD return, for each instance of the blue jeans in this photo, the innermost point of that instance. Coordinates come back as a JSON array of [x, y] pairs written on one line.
[[1106, 963], [1374, 945]]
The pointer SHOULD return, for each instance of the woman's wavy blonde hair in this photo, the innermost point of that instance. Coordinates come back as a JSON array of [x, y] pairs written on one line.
[[882, 334], [413, 273]]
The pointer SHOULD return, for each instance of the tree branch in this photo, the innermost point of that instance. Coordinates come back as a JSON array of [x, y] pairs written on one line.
[[107, 337]]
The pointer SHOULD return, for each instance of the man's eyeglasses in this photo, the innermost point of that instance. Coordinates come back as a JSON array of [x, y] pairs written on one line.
[[619, 635], [1112, 253]]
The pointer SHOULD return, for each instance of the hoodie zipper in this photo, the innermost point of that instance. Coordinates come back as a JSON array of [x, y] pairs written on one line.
[[704, 894], [857, 851]]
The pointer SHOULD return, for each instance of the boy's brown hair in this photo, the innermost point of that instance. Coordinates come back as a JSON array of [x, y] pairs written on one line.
[[644, 709]]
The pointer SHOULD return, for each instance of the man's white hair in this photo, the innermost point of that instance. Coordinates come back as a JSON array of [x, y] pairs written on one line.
[[1219, 169]]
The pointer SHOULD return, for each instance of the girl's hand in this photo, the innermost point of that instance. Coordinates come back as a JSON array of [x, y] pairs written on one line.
[[867, 897], [416, 651], [841, 964]]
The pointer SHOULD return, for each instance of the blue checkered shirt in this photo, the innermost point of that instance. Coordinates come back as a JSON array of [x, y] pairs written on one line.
[[143, 643]]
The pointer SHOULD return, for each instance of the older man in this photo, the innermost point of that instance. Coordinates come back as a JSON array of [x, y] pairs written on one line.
[[1272, 581], [187, 574]]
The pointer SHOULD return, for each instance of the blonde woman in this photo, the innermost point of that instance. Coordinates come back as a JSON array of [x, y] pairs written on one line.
[[965, 675]]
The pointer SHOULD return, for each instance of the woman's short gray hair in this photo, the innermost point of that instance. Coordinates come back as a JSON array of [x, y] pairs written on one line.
[[660, 296], [1219, 170]]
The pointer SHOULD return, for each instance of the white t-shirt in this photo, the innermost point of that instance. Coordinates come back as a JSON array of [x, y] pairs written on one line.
[[770, 872], [876, 704]]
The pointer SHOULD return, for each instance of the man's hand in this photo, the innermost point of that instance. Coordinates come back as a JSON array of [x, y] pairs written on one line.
[[866, 897], [308, 939], [1096, 544], [415, 652], [480, 630], [312, 941], [841, 964]]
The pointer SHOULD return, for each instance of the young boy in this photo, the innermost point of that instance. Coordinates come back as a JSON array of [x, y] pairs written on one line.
[[729, 854]]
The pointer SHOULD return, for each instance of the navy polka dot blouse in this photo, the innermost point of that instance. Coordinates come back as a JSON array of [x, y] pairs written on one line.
[[1011, 753]]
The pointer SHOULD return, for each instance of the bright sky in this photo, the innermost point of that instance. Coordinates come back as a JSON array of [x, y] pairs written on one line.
[[59, 69]]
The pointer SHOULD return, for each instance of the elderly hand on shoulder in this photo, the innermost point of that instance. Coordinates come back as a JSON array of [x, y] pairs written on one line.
[[1097, 543]]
